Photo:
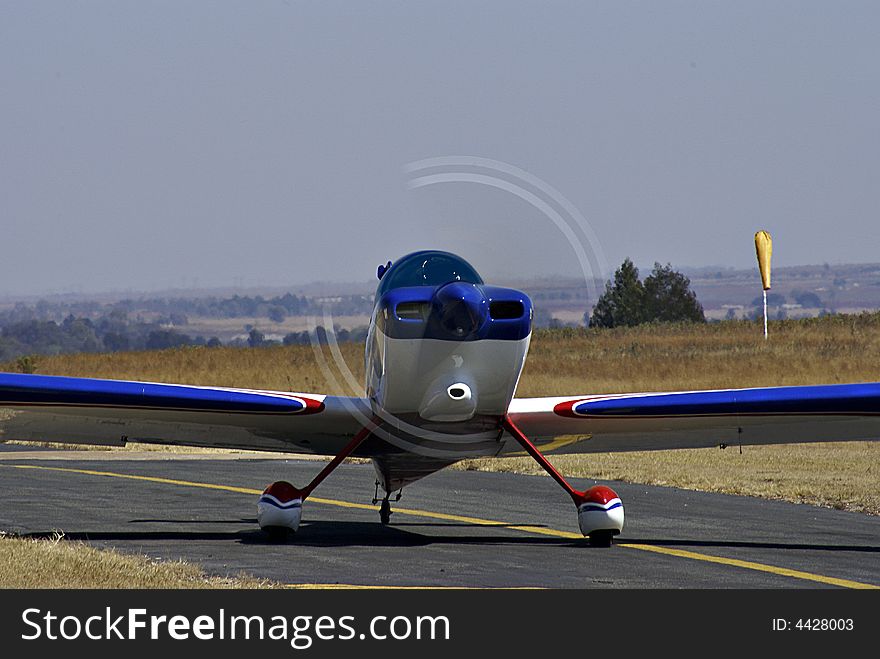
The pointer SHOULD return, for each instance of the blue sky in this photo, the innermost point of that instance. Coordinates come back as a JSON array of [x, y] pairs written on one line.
[[147, 145]]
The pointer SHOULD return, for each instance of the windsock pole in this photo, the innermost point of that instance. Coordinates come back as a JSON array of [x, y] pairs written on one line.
[[765, 315], [764, 249]]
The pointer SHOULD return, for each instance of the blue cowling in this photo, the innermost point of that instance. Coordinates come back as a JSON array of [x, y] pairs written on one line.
[[456, 311]]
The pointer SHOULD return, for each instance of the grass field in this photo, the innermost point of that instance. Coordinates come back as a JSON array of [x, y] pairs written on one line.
[[579, 361], [57, 563]]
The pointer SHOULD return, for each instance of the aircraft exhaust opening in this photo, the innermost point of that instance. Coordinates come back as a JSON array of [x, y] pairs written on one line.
[[459, 391], [506, 310]]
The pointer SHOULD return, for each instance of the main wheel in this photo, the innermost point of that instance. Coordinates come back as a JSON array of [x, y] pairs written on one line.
[[385, 512], [601, 538], [278, 534]]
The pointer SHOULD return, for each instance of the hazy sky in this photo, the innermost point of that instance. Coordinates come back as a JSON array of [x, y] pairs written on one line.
[[149, 145]]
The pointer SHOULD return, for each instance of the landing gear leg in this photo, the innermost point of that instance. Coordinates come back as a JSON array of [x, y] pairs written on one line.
[[385, 509], [279, 509], [600, 511]]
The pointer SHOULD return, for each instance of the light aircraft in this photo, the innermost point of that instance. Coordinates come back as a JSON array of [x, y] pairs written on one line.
[[443, 357]]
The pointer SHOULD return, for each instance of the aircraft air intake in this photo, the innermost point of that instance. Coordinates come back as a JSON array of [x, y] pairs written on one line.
[[506, 309]]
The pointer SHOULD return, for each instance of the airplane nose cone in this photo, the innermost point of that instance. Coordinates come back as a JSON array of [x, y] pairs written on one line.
[[460, 309]]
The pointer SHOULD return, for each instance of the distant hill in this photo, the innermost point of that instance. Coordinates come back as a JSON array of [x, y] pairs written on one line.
[[803, 290], [277, 311]]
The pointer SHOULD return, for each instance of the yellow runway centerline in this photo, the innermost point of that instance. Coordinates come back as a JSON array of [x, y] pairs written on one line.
[[351, 586], [556, 533]]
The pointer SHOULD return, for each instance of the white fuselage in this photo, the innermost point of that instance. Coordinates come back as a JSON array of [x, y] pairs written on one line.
[[443, 357], [458, 387]]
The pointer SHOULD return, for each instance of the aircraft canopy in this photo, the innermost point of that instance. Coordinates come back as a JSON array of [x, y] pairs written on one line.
[[427, 268]]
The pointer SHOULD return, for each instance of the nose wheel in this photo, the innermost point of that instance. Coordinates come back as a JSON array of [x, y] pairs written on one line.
[[385, 508], [385, 512]]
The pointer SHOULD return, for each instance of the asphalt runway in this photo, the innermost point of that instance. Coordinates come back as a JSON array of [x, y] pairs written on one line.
[[452, 529]]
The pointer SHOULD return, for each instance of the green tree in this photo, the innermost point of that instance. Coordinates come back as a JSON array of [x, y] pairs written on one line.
[[26, 364], [665, 296], [669, 298], [807, 299], [277, 313], [116, 341], [622, 303], [256, 338], [163, 339]]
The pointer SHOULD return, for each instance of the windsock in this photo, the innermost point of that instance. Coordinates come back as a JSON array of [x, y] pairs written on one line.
[[764, 248]]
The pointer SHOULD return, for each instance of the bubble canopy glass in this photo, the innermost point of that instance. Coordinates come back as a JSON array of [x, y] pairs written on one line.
[[427, 268]]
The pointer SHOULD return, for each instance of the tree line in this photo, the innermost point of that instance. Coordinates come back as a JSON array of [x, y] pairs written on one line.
[[176, 310], [108, 333], [114, 332]]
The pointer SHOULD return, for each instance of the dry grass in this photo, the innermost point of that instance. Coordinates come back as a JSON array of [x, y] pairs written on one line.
[[574, 362], [283, 368], [842, 475], [717, 355], [57, 563], [137, 447]]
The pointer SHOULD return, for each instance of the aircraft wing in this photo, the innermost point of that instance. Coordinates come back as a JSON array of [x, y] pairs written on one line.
[[696, 419], [113, 412]]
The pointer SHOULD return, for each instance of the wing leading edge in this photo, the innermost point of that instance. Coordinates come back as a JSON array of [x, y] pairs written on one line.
[[112, 412], [697, 419]]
